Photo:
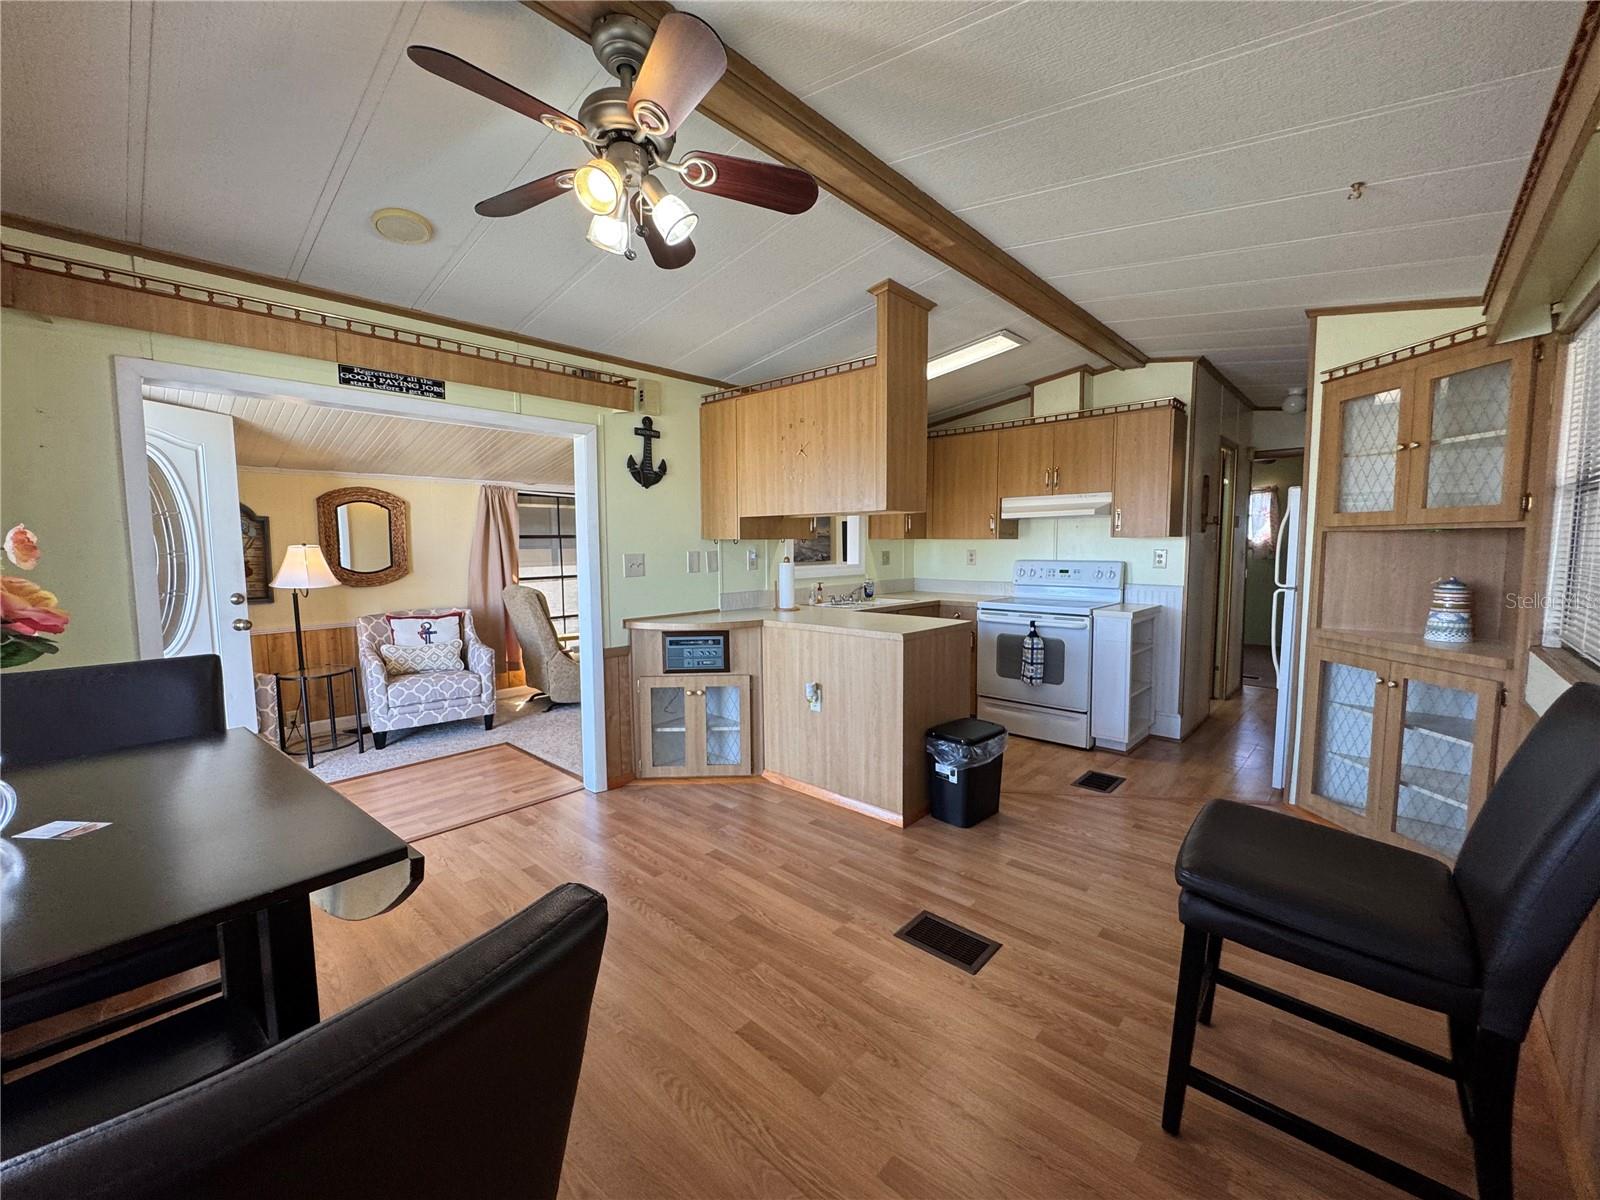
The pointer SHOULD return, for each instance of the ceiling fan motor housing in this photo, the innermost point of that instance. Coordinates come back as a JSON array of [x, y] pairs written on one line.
[[620, 43]]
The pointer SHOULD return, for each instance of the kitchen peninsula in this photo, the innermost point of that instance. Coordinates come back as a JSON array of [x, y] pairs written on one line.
[[832, 702]]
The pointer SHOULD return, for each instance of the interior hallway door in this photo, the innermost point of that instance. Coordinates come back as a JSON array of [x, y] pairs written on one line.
[[194, 509]]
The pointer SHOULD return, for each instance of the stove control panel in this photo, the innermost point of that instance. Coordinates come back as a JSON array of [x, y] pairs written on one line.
[[1033, 572]]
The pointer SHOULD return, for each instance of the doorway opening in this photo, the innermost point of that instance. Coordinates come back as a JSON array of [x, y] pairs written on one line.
[[1272, 474], [265, 456]]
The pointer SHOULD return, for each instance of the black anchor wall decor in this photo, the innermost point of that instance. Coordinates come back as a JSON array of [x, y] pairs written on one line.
[[647, 473]]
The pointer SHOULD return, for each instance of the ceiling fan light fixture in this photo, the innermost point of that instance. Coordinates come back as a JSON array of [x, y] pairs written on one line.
[[609, 233], [673, 219], [976, 352], [598, 186]]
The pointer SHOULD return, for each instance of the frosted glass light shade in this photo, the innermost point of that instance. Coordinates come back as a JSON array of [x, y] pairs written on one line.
[[304, 567], [673, 219], [609, 233], [598, 186]]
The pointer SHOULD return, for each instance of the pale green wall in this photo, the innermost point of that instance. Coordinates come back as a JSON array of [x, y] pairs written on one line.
[[1059, 395], [62, 472], [1015, 410]]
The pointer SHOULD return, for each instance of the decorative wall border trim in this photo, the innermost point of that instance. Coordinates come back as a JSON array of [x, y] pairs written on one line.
[[1057, 418], [766, 385]]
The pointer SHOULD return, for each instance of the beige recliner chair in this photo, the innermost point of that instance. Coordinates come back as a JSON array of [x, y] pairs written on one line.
[[549, 668]]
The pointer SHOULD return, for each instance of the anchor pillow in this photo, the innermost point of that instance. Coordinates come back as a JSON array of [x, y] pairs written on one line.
[[429, 630]]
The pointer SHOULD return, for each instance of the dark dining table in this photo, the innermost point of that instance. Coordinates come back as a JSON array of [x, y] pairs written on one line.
[[211, 837]]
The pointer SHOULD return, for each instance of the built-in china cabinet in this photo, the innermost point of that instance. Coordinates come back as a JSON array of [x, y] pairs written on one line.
[[1422, 475]]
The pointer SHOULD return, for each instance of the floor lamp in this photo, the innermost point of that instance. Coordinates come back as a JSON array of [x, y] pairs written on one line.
[[302, 569]]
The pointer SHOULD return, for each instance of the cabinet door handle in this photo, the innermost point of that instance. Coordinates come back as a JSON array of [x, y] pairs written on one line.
[[1412, 445], [991, 522], [1116, 524], [1055, 479], [1399, 446], [1391, 683], [1047, 479]]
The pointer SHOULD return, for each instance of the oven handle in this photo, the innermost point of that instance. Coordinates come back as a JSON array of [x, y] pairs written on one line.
[[1042, 622]]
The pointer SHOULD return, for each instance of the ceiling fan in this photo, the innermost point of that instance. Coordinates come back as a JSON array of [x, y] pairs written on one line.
[[630, 131]]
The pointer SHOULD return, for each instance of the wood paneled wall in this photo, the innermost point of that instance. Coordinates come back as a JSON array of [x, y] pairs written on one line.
[[619, 715], [273, 652]]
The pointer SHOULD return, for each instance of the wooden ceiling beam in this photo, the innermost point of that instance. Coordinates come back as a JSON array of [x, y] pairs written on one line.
[[749, 103]]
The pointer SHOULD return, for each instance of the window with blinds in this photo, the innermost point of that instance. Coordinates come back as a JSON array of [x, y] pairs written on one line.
[[1574, 611]]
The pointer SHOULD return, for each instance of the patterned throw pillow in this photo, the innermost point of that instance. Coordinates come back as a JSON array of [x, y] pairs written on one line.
[[409, 660], [427, 630]]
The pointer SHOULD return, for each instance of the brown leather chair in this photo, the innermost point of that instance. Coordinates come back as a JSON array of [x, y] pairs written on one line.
[[455, 1083], [1475, 942]]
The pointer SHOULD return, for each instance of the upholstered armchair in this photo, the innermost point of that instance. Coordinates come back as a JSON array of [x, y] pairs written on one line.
[[549, 668], [426, 697]]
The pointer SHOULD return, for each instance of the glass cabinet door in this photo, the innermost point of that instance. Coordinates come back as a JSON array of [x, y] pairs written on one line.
[[664, 725], [1366, 448], [726, 734], [1469, 433], [1442, 757], [1346, 737]]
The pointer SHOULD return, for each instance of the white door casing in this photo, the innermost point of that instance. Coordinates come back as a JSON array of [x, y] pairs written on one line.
[[195, 451]]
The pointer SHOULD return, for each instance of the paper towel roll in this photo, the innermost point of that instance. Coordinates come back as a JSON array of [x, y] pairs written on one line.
[[786, 586]]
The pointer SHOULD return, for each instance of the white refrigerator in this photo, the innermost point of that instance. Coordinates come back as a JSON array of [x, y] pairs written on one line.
[[1286, 631]]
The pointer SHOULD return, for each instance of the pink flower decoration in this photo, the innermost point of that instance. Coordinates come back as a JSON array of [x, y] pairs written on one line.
[[22, 547], [28, 609]]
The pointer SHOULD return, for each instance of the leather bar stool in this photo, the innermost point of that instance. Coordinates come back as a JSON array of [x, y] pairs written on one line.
[[1476, 942]]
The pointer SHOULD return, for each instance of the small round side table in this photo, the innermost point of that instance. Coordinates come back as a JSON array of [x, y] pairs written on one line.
[[304, 680]]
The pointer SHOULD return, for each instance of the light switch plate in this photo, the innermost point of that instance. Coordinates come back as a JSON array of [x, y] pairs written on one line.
[[814, 696], [972, 558], [752, 558], [694, 562], [633, 566], [883, 558], [713, 561], [1161, 559]]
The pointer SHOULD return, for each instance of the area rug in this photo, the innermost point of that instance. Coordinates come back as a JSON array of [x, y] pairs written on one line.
[[426, 798], [554, 735]]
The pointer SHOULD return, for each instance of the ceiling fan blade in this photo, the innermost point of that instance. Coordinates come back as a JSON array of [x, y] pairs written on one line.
[[668, 258], [685, 61], [524, 196], [463, 74], [782, 189]]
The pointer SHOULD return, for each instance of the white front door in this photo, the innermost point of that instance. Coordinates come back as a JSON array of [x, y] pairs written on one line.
[[194, 491]]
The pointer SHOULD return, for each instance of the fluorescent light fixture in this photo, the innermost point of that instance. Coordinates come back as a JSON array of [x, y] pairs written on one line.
[[965, 356], [609, 233]]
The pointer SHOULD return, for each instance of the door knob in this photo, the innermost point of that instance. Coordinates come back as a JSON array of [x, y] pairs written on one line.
[[241, 624], [236, 598]]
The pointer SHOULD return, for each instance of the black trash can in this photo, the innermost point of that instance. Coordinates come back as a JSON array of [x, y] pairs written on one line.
[[964, 761]]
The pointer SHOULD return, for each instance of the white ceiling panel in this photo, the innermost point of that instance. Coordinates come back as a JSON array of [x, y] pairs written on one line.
[[1178, 168], [288, 436]]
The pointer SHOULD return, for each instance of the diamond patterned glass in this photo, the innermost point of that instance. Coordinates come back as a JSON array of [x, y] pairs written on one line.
[[723, 726], [1367, 453], [1436, 765], [669, 727], [1344, 735], [1467, 444]]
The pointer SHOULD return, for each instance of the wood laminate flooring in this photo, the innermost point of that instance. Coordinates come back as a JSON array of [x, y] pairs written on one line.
[[758, 1031], [446, 793]]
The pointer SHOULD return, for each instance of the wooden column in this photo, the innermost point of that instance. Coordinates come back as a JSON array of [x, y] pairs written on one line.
[[901, 382]]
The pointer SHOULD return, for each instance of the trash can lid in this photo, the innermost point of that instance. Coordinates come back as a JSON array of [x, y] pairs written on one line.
[[968, 731]]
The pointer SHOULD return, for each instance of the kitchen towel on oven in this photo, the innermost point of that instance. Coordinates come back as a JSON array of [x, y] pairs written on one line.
[[1033, 656]]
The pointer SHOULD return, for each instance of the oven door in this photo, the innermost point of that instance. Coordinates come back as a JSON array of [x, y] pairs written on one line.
[[1066, 659]]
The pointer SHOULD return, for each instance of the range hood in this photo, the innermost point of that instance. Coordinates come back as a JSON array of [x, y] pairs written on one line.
[[1079, 504]]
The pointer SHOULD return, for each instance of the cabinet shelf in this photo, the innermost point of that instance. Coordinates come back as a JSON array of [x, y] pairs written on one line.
[[1451, 729], [1495, 655], [1447, 787], [1467, 440]]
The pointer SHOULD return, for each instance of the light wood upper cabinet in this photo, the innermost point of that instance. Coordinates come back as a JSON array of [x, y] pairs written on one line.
[[897, 526], [1147, 475], [720, 481], [965, 500], [1025, 460], [1083, 455], [1440, 439]]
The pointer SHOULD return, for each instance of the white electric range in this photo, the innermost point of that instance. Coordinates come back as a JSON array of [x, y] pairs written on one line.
[[1055, 598]]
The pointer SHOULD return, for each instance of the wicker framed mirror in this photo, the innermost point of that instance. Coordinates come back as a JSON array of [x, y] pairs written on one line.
[[365, 535]]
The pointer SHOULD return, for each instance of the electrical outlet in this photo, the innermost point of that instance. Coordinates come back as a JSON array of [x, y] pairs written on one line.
[[972, 558], [713, 562], [633, 566], [814, 696], [752, 559], [883, 558], [694, 562], [1161, 560]]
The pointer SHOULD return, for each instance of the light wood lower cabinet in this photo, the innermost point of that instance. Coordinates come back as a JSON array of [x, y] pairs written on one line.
[[1147, 476], [693, 725], [1396, 751]]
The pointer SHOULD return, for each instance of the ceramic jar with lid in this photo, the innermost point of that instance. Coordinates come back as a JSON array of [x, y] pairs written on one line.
[[1450, 615]]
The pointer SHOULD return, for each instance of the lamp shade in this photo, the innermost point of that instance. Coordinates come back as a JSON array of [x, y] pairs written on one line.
[[304, 567]]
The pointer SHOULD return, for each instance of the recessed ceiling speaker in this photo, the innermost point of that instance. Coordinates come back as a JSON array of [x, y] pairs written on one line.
[[403, 226]]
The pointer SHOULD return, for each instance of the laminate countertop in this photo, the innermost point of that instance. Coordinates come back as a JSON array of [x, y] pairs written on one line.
[[869, 622]]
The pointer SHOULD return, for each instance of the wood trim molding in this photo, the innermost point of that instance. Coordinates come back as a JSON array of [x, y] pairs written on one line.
[[1355, 310], [751, 104], [1205, 364], [1568, 127], [399, 523], [169, 258], [817, 793]]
